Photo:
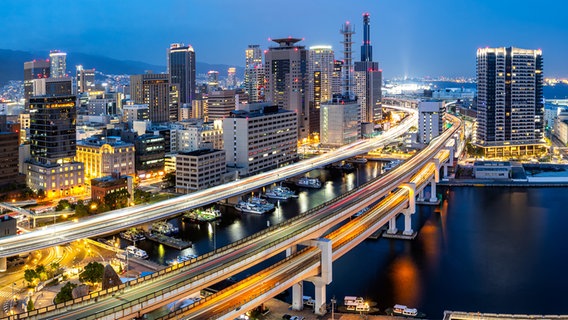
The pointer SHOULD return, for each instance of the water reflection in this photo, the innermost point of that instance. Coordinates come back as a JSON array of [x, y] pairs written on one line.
[[405, 280]]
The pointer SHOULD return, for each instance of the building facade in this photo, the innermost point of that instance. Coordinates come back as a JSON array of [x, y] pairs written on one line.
[[286, 72], [259, 138], [320, 68], [153, 90], [149, 156], [103, 156], [510, 107], [9, 152], [181, 70], [254, 73], [199, 169], [85, 79], [430, 122], [36, 69], [340, 122], [58, 64]]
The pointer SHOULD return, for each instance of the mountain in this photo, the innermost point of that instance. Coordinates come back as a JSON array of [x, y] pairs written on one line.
[[12, 65]]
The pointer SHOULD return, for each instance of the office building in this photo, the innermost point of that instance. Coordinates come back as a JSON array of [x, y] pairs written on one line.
[[231, 78], [254, 73], [52, 86], [153, 90], [340, 118], [368, 78], [9, 163], [103, 186], [260, 137], [104, 155], [336, 77], [510, 106], [212, 81], [199, 169], [149, 156], [85, 79], [286, 72], [181, 70], [430, 120], [189, 135], [135, 112], [53, 147], [220, 104], [36, 69], [58, 64], [320, 68]]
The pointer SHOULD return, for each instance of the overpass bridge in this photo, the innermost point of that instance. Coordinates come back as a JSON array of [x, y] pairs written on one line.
[[168, 285]]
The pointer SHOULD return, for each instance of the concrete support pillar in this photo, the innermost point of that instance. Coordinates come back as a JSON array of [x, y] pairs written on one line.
[[320, 282], [320, 307], [437, 171], [411, 195], [392, 226], [3, 264], [433, 197], [297, 296], [445, 171], [420, 195], [291, 250], [407, 223]]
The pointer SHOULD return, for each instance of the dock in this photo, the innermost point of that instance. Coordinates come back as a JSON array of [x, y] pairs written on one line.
[[168, 241], [400, 236]]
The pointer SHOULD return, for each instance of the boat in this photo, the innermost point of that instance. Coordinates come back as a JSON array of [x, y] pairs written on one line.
[[164, 228], [133, 235], [356, 304], [345, 166], [136, 252], [247, 207], [358, 160], [262, 203], [280, 193], [391, 164], [109, 243], [203, 215], [402, 310], [181, 259], [308, 182]]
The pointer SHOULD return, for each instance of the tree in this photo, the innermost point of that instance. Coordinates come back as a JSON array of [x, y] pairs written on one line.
[[117, 200], [141, 196], [54, 267], [30, 275], [41, 271], [65, 294], [30, 305], [169, 179], [62, 205], [93, 273]]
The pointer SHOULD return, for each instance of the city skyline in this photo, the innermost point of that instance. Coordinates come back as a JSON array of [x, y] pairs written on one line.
[[410, 38]]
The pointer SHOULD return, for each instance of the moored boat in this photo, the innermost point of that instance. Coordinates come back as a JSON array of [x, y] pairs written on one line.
[[203, 215], [136, 252], [402, 310], [248, 207], [308, 182], [164, 227], [132, 234], [280, 193]]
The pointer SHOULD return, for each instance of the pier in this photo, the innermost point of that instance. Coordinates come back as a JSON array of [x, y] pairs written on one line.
[[168, 241]]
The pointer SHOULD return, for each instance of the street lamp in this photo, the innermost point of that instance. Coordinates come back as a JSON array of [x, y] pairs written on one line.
[[333, 302]]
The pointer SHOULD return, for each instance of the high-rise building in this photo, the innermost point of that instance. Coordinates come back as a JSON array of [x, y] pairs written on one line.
[[336, 77], [231, 78], [221, 103], [53, 147], [212, 80], [260, 137], [254, 73], [368, 78], [286, 72], [52, 86], [36, 69], [155, 91], [430, 122], [340, 118], [58, 67], [53, 128], [199, 169], [85, 79], [181, 69], [510, 107], [320, 68]]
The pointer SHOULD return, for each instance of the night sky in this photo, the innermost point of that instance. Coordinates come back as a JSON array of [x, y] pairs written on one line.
[[409, 37]]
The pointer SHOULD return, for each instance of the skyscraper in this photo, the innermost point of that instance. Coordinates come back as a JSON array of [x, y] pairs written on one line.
[[320, 68], [231, 78], [155, 91], [181, 70], [212, 80], [286, 73], [368, 78], [85, 79], [510, 105], [36, 69], [58, 66], [254, 73], [340, 118]]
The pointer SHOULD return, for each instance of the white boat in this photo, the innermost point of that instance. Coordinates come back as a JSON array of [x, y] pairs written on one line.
[[164, 227], [398, 308], [307, 182], [247, 207], [138, 253], [280, 193], [181, 259], [355, 304]]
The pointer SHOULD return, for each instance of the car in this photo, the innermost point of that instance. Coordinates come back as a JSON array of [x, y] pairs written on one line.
[[296, 318]]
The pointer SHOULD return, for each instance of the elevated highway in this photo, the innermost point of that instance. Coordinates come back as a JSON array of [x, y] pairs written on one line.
[[168, 285], [121, 219]]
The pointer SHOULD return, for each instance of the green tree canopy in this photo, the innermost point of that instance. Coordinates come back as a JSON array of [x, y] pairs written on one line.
[[65, 294], [93, 273]]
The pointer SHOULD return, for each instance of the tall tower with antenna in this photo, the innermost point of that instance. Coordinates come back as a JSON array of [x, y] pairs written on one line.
[[347, 83], [366, 48]]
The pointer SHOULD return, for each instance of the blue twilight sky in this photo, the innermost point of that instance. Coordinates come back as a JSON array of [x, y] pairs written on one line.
[[409, 37]]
